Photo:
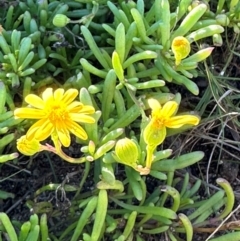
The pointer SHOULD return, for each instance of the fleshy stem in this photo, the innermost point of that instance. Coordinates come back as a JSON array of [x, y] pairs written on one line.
[[58, 150], [169, 183], [174, 194], [171, 236], [150, 156], [83, 179], [136, 102], [144, 188], [187, 225], [228, 205], [146, 170], [230, 198]]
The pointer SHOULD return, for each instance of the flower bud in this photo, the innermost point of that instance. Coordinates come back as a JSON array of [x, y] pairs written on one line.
[[91, 147], [222, 19], [60, 20], [180, 48], [217, 39], [193, 5], [126, 151], [28, 147]]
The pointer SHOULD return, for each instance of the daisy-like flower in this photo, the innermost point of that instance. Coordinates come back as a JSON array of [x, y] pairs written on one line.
[[57, 113], [163, 117], [181, 48]]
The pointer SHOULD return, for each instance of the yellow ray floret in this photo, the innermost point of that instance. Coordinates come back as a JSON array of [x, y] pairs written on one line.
[[57, 113], [163, 117]]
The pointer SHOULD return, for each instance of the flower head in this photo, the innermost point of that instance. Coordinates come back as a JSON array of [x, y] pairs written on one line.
[[163, 117], [57, 113], [27, 147], [181, 48]]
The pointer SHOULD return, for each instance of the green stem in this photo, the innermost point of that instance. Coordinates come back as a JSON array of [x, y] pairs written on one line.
[[58, 150], [136, 102], [169, 183], [83, 179], [144, 189], [150, 156], [187, 225], [171, 236]]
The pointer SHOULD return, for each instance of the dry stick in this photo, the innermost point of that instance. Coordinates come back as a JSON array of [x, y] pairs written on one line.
[[224, 124], [20, 169], [182, 174], [190, 142], [221, 224], [212, 138], [229, 153], [9, 177], [227, 226], [211, 155], [17, 202]]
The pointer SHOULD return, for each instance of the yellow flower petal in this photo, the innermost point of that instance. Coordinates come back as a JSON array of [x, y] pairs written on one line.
[[64, 136], [181, 48], [58, 94], [87, 109], [69, 96], [179, 121], [154, 136], [32, 130], [79, 117], [154, 104], [29, 113], [35, 101], [47, 94], [77, 130], [169, 109], [41, 130], [44, 131], [75, 106]]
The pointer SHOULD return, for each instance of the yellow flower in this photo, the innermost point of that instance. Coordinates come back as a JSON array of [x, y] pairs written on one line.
[[57, 113], [162, 118], [181, 48], [27, 147]]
